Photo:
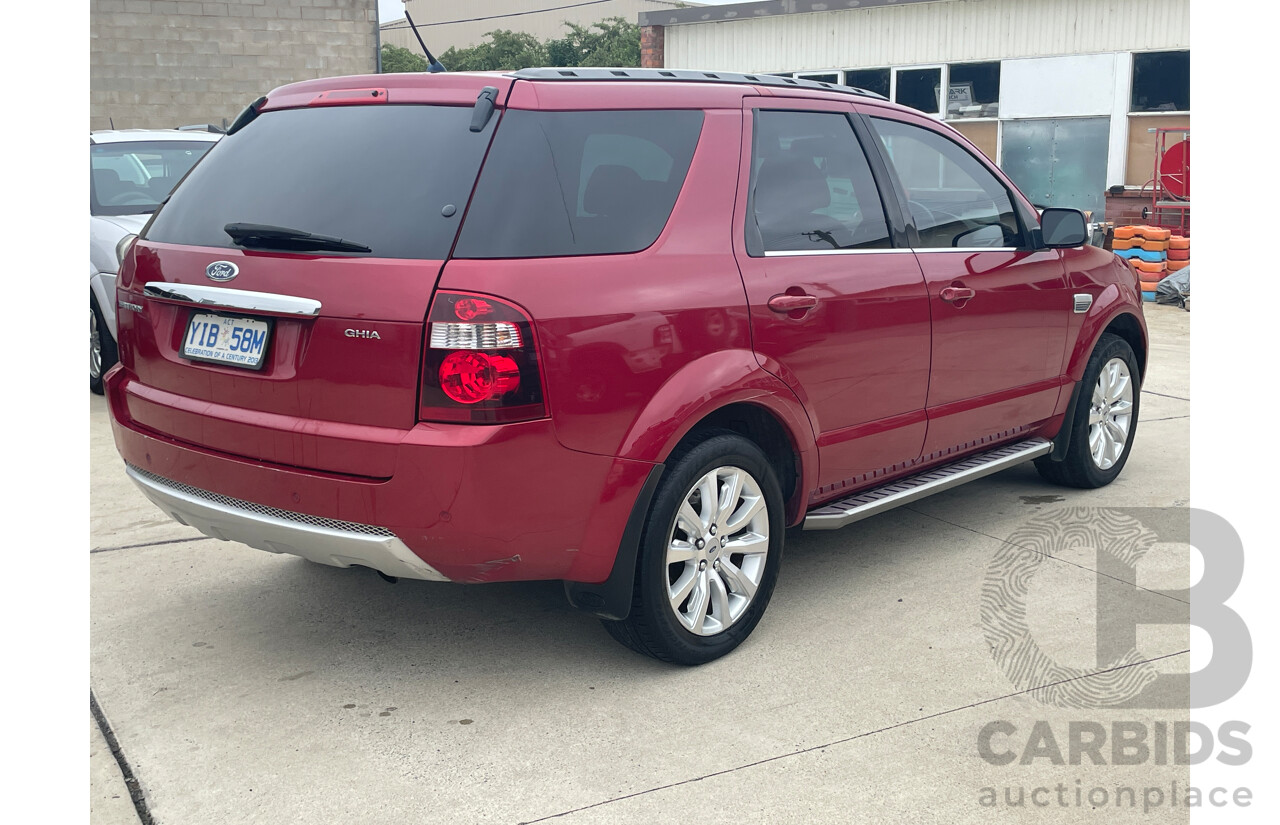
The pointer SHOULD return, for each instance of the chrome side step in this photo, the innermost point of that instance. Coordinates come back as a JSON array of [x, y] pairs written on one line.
[[862, 505]]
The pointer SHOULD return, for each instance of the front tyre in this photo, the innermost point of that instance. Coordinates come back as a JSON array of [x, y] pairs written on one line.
[[102, 347], [709, 553], [1105, 421]]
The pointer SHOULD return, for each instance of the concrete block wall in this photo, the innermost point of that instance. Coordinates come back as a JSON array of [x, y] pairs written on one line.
[[165, 63]]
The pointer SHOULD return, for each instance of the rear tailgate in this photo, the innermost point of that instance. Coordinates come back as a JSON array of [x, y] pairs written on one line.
[[337, 384]]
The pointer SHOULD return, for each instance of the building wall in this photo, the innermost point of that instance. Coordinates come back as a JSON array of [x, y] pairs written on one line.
[[928, 32], [164, 63], [433, 19]]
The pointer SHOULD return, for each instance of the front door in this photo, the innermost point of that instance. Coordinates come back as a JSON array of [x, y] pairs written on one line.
[[837, 311], [1000, 306]]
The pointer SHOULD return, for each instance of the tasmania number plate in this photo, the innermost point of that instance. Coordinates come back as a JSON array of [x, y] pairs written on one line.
[[238, 342]]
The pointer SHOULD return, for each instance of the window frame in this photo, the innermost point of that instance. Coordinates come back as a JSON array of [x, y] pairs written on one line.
[[942, 86], [1028, 227]]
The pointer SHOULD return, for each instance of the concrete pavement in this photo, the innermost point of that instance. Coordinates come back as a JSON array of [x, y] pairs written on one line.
[[246, 687]]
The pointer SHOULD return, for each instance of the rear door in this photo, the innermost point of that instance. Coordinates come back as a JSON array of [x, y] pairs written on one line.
[[341, 331], [838, 311], [999, 305]]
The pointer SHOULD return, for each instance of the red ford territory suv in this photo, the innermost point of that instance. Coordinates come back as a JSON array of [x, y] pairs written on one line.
[[621, 328]]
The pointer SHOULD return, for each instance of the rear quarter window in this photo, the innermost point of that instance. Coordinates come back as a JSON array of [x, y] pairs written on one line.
[[579, 183]]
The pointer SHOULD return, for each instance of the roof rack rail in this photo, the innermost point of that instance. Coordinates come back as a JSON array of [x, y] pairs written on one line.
[[688, 76]]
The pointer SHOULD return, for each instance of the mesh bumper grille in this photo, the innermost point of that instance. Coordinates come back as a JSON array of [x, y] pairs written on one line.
[[262, 509]]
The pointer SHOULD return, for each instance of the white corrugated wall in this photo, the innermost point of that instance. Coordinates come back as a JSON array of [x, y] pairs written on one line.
[[940, 32]]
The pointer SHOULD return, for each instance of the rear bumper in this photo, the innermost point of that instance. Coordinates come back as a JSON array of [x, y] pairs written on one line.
[[466, 503], [326, 541]]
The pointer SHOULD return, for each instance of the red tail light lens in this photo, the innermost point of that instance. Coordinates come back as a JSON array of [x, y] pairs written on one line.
[[480, 364], [472, 377]]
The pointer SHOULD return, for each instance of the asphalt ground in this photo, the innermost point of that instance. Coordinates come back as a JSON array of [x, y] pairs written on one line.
[[237, 686]]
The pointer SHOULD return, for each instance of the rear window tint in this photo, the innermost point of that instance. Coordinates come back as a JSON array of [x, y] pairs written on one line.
[[579, 183], [379, 175]]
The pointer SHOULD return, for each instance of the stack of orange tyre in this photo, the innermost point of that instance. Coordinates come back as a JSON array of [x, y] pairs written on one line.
[[1179, 253], [1147, 249]]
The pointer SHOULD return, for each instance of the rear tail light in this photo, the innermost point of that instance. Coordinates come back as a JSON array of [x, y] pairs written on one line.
[[480, 365]]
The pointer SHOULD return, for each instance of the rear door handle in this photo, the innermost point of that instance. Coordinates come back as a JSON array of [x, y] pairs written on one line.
[[791, 303], [956, 293]]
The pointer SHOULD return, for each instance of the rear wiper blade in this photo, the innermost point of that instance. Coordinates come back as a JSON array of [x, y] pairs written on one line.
[[282, 237]]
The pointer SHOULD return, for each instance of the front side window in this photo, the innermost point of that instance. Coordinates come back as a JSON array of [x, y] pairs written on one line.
[[132, 178], [954, 200], [579, 183], [811, 187]]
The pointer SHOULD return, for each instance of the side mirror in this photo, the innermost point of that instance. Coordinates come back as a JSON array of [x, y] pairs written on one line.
[[1061, 228]]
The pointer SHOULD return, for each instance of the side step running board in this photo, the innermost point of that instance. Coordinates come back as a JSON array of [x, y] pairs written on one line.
[[862, 505]]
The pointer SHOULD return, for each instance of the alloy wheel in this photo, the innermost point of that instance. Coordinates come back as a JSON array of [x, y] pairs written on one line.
[[95, 346], [716, 551], [1111, 415]]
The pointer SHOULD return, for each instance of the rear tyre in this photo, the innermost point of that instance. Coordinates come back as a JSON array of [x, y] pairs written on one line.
[[102, 347], [1105, 421], [709, 553]]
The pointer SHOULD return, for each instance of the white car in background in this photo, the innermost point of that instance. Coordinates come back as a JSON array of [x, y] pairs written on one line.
[[131, 172]]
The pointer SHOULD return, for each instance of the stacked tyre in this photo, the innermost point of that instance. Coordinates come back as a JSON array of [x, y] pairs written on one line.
[[1179, 253], [1146, 248]]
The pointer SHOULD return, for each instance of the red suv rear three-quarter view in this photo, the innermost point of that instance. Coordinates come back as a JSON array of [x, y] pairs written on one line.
[[621, 328]]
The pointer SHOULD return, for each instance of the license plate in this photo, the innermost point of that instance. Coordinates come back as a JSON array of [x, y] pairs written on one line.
[[237, 342]]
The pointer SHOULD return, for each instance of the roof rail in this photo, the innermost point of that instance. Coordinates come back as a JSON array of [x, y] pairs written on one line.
[[688, 76]]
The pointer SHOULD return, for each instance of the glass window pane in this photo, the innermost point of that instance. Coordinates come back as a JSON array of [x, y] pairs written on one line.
[[829, 77], [873, 80], [1161, 82], [812, 188], [954, 200], [132, 178], [974, 90], [579, 183], [376, 175], [919, 88]]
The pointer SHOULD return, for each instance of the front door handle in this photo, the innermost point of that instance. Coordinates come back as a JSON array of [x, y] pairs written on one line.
[[791, 303], [956, 293]]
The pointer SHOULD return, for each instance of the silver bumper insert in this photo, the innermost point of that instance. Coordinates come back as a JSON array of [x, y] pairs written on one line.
[[321, 540]]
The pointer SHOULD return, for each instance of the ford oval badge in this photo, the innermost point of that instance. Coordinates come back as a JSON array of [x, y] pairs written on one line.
[[221, 271]]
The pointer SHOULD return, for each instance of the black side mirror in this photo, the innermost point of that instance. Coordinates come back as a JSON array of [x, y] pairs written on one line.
[[1061, 227]]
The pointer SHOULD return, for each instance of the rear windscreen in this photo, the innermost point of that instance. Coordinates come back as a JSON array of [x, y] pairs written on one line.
[[393, 178], [579, 183]]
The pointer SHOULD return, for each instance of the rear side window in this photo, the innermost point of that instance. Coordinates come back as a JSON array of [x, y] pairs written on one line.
[[379, 175], [579, 183], [812, 188]]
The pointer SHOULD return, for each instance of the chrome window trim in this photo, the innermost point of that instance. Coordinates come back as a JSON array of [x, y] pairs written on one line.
[[781, 253], [223, 298]]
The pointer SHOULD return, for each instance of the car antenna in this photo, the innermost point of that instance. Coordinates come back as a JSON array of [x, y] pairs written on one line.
[[112, 121], [434, 65]]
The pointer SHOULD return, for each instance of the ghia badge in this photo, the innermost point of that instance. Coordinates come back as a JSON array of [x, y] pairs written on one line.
[[221, 271]]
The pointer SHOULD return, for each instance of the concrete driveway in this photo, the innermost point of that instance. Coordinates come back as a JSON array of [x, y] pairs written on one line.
[[245, 687]]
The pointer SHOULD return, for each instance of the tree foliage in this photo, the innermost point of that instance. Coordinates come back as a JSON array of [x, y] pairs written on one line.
[[613, 41], [396, 59]]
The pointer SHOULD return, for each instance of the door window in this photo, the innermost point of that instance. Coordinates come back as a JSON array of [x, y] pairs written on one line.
[[954, 200], [811, 186]]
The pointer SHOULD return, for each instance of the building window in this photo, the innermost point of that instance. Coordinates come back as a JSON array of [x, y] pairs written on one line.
[[973, 90], [873, 80], [821, 77], [919, 88], [1161, 82]]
